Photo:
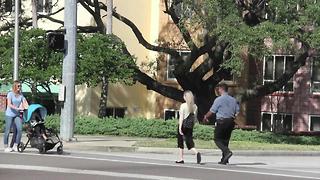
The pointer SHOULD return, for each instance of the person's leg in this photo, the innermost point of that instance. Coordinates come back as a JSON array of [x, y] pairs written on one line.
[[43, 131], [219, 139], [18, 123], [14, 134], [219, 143], [188, 133], [180, 147], [180, 154], [8, 122], [229, 128]]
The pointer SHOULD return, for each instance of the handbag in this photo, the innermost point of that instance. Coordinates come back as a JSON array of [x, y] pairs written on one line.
[[189, 121]]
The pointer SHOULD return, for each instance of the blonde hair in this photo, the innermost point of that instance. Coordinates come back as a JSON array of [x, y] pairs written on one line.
[[15, 85], [189, 98]]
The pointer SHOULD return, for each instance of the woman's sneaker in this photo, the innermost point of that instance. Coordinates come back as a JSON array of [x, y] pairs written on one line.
[[15, 148], [8, 149]]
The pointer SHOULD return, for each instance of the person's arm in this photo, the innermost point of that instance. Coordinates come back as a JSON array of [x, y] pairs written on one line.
[[24, 105], [237, 109], [181, 119], [213, 109], [207, 116], [196, 113], [9, 102]]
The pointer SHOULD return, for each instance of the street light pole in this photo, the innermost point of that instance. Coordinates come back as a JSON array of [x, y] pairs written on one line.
[[16, 41], [34, 14], [69, 69], [109, 16]]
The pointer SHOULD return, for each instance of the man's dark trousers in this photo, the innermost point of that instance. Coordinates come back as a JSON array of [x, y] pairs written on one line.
[[222, 135]]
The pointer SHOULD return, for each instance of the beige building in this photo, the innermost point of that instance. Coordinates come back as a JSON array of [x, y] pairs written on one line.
[[136, 100]]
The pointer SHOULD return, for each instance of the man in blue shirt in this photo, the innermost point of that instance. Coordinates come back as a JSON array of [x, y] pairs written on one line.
[[226, 108]]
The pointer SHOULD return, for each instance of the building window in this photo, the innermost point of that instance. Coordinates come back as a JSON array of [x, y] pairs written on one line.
[[44, 6], [170, 64], [266, 122], [275, 66], [315, 75], [314, 123], [276, 122], [171, 114], [116, 112]]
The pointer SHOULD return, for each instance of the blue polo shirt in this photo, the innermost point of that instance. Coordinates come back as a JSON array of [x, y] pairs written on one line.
[[225, 106], [16, 101]]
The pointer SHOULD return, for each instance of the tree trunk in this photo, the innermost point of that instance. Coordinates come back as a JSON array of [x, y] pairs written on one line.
[[103, 98], [33, 93], [204, 98]]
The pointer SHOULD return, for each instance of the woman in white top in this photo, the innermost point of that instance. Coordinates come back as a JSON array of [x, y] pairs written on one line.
[[185, 132]]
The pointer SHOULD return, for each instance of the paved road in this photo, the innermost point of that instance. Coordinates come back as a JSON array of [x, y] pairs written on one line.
[[84, 165]]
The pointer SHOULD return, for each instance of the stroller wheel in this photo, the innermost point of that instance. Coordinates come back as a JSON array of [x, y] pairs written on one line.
[[59, 150], [42, 150], [20, 147]]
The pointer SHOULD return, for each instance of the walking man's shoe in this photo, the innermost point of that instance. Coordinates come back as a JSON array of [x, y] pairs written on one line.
[[226, 158], [223, 163]]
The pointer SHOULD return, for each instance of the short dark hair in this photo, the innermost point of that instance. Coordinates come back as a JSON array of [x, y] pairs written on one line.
[[224, 86]]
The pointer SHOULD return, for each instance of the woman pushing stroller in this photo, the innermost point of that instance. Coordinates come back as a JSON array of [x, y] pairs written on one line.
[[16, 103]]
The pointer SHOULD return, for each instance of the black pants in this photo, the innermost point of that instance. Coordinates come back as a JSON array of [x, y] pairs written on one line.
[[222, 134], [188, 136], [40, 129]]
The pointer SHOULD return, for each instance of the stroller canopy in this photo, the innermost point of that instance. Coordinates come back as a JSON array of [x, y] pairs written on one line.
[[31, 109]]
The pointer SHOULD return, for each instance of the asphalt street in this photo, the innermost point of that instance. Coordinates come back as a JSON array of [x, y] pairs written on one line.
[[83, 165]]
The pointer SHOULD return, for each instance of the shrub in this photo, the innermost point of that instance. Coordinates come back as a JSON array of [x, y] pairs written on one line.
[[158, 128], [2, 121]]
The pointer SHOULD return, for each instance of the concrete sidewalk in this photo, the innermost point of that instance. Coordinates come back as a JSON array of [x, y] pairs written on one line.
[[127, 144]]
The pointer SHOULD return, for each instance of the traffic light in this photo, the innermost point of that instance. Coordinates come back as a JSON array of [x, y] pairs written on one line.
[[56, 41]]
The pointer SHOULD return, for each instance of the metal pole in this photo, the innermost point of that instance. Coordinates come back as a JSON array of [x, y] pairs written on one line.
[[16, 41], [69, 69], [34, 14], [109, 16]]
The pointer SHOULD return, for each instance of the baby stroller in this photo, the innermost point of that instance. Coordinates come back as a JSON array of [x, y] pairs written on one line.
[[39, 137]]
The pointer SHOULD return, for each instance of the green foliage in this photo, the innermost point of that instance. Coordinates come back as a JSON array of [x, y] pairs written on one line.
[[158, 128], [272, 138], [280, 21], [38, 65], [37, 61], [2, 122], [102, 56], [98, 56]]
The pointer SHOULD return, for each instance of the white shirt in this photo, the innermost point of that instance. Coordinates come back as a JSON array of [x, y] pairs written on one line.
[[184, 111]]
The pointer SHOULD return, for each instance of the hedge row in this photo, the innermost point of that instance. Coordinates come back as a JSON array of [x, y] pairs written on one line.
[[158, 128]]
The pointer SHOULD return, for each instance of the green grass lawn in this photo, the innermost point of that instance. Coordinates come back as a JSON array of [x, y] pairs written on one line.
[[235, 145]]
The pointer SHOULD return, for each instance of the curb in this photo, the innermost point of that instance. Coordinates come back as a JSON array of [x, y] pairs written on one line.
[[209, 152], [102, 148]]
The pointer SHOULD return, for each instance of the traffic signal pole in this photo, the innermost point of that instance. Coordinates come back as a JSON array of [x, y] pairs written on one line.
[[69, 70]]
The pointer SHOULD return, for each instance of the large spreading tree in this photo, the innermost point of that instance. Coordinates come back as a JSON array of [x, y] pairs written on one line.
[[228, 29]]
